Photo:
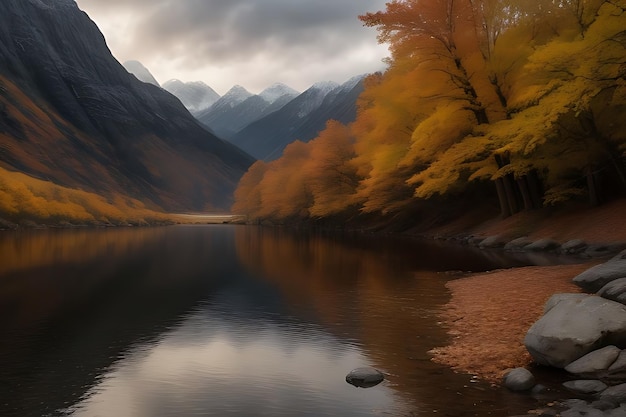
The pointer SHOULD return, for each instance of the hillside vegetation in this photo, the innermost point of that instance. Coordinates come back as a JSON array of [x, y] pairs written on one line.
[[30, 201], [518, 103]]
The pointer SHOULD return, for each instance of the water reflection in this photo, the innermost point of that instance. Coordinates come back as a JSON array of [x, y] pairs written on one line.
[[223, 320], [217, 364]]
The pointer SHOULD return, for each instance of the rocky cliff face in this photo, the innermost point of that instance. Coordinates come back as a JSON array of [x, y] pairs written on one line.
[[70, 113]]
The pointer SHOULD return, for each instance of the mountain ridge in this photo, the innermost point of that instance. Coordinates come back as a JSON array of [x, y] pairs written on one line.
[[300, 119], [71, 114]]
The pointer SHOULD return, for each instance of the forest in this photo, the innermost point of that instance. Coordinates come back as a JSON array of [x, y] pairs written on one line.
[[522, 103]]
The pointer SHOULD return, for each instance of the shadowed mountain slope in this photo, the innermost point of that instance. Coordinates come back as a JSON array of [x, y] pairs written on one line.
[[71, 114]]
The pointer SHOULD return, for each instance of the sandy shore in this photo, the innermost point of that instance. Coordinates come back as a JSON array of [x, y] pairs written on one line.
[[489, 314]]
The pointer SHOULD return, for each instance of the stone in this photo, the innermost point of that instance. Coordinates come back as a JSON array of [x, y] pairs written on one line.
[[574, 246], [596, 277], [614, 290], [475, 240], [517, 244], [542, 245], [594, 363], [615, 394], [492, 242], [519, 379], [575, 326], [365, 377], [585, 386], [617, 412], [603, 405], [580, 408], [557, 298], [618, 369], [619, 256]]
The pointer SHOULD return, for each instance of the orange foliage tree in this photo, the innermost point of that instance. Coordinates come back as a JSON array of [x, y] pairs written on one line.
[[529, 95]]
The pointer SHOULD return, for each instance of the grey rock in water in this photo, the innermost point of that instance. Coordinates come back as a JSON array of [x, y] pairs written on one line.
[[519, 379], [574, 246], [575, 326], [365, 377], [492, 242], [596, 277], [594, 363], [542, 245], [614, 290], [517, 244], [585, 386]]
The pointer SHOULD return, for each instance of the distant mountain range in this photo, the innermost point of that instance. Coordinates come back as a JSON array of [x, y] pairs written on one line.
[[196, 95], [300, 119], [238, 108], [71, 114]]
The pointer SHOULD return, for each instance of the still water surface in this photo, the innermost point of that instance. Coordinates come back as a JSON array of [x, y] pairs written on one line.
[[230, 321]]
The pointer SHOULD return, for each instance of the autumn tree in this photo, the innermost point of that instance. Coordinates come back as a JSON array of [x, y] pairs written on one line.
[[331, 178]]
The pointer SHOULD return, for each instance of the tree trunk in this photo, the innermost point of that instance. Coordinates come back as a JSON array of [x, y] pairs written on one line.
[[511, 197], [505, 210], [522, 183], [536, 193], [592, 186]]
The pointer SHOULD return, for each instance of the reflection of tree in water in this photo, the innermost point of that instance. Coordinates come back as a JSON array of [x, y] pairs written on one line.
[[382, 304]]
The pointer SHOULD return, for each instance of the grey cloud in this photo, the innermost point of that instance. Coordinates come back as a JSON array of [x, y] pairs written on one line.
[[200, 33], [234, 29]]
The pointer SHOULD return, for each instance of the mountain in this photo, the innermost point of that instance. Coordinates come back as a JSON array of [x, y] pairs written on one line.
[[238, 108], [72, 115], [142, 73], [277, 92], [196, 96], [300, 119]]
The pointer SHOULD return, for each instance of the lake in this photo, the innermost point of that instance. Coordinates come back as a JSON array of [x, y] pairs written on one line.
[[224, 320]]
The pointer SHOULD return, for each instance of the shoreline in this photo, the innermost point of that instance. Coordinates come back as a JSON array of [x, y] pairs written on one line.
[[490, 313]]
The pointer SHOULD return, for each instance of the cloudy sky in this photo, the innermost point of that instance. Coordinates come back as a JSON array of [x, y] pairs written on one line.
[[254, 43]]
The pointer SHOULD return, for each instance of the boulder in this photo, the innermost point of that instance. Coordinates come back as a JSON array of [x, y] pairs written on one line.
[[619, 256], [596, 277], [599, 251], [579, 408], [517, 244], [519, 379], [557, 298], [574, 246], [585, 386], [594, 363], [614, 290], [542, 245], [618, 369], [615, 394], [574, 326], [492, 242], [365, 377]]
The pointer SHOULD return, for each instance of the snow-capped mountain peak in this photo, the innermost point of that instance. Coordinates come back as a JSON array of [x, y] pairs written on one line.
[[237, 94], [195, 95], [324, 86], [276, 91]]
